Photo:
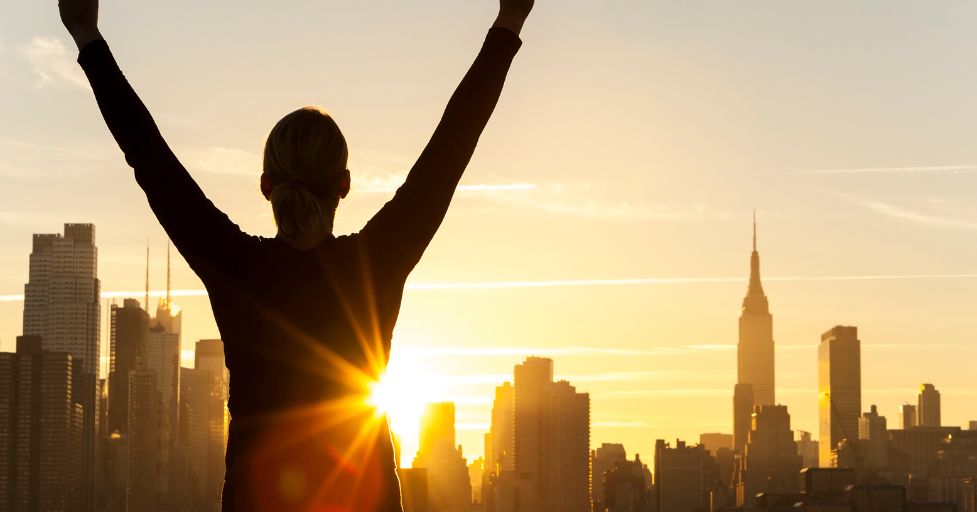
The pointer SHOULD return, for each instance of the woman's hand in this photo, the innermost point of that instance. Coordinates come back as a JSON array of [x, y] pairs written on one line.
[[513, 13], [80, 17]]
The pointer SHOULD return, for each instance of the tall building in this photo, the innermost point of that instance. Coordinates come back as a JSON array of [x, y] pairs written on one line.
[[144, 447], [128, 341], [61, 306], [203, 420], [807, 448], [770, 461], [41, 430], [839, 389], [929, 406], [499, 454], [907, 416], [448, 486], [743, 403], [873, 438], [602, 461], [552, 438], [755, 352], [163, 358], [682, 481]]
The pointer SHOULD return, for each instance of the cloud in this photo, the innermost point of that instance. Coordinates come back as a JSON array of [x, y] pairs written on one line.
[[222, 160], [620, 424], [928, 170], [916, 217], [53, 64]]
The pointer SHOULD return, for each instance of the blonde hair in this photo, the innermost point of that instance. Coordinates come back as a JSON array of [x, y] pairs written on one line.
[[304, 157]]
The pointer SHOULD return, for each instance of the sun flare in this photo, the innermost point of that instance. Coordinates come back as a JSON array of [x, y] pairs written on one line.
[[401, 394]]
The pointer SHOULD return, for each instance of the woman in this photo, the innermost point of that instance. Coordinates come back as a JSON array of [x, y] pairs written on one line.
[[306, 317]]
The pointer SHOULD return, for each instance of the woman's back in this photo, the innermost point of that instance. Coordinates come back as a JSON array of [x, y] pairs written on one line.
[[305, 334]]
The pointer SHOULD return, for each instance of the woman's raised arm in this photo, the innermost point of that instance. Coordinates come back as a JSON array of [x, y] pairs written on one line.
[[400, 232], [202, 233]]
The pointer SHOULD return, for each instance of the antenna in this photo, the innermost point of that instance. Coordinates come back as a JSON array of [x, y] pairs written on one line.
[[147, 276], [168, 275], [754, 229]]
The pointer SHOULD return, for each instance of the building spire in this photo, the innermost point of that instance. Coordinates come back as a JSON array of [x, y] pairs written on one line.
[[146, 305], [168, 275], [754, 229]]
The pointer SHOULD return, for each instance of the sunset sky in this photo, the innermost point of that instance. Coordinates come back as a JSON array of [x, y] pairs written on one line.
[[606, 222]]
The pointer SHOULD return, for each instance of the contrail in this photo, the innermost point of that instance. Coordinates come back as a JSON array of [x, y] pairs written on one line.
[[567, 283], [919, 170], [504, 187]]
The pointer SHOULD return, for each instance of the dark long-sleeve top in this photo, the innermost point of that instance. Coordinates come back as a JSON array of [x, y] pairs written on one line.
[[305, 332]]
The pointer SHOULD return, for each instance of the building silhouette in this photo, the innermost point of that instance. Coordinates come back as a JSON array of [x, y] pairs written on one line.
[[41, 430], [203, 428], [499, 451], [770, 461], [448, 486], [929, 406], [743, 404], [551, 444], [839, 389], [807, 448], [144, 448], [907, 416], [755, 350], [873, 440], [685, 477], [626, 487], [602, 460], [61, 307]]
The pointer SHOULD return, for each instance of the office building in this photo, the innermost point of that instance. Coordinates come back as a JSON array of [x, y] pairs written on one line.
[[448, 485], [770, 462], [907, 416], [928, 410], [61, 307], [839, 389], [755, 350]]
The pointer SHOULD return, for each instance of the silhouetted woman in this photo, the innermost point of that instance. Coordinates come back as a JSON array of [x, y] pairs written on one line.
[[306, 317]]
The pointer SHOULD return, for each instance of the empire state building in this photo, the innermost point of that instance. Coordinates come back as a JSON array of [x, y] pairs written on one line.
[[755, 358]]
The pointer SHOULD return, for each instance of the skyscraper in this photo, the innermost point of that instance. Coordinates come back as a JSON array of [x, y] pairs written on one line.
[[144, 446], [552, 437], [203, 416], [770, 461], [500, 456], [61, 306], [929, 406], [682, 481], [448, 486], [743, 403], [907, 416], [839, 389], [40, 430], [755, 354], [873, 439]]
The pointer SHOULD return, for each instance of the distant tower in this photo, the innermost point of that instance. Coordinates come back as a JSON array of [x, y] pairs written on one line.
[[61, 306], [839, 389], [552, 437], [929, 406], [743, 402], [907, 414], [755, 355], [771, 462]]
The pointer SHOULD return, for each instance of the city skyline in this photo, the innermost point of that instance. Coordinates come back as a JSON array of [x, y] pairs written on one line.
[[471, 426]]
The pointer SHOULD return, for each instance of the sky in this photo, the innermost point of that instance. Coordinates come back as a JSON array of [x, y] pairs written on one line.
[[606, 221]]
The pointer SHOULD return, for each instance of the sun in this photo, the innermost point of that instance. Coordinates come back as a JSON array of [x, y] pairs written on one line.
[[401, 394]]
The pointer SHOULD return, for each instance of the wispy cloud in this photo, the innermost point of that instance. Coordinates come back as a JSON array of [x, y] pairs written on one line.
[[927, 170], [222, 160], [918, 217], [483, 285], [620, 424], [53, 64]]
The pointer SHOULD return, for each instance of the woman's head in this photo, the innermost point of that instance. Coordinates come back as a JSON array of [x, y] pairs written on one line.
[[305, 173]]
